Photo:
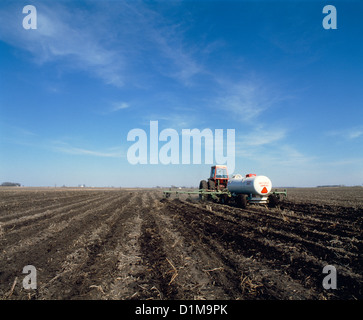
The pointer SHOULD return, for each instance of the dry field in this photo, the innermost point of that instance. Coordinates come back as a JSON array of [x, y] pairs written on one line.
[[133, 244]]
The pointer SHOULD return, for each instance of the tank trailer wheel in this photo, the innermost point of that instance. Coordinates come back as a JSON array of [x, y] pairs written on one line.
[[241, 200]]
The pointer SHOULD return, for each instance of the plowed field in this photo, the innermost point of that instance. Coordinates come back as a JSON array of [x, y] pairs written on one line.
[[134, 244]]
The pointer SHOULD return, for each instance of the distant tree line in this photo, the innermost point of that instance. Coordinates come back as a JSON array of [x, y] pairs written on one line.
[[10, 184], [332, 186]]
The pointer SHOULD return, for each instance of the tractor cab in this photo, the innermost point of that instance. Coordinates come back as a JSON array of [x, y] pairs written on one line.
[[219, 175]]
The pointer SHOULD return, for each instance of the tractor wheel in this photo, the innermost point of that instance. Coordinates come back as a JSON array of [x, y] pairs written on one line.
[[273, 201], [203, 185], [211, 186], [242, 201], [224, 199]]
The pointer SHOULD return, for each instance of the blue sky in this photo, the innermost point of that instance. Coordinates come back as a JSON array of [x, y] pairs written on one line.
[[72, 89]]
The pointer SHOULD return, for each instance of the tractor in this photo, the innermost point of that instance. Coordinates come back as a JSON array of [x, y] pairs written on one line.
[[218, 179]]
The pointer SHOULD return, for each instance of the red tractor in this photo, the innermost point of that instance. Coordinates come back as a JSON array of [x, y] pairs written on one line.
[[218, 179]]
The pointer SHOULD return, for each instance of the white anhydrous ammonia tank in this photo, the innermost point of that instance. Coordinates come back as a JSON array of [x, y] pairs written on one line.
[[251, 184]]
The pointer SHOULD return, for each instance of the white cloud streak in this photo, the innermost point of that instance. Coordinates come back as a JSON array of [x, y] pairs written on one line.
[[66, 36], [107, 40], [262, 136], [120, 106], [63, 147], [348, 134], [248, 99]]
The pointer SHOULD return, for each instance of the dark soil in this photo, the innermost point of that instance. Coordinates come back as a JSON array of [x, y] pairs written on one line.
[[135, 245]]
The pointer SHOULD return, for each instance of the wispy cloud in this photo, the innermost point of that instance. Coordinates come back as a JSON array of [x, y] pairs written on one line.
[[111, 41], [181, 65], [68, 37], [349, 133], [120, 106], [24, 137], [17, 135], [354, 161], [18, 131], [248, 99], [112, 107], [280, 155], [290, 156], [174, 119], [263, 136], [164, 43], [63, 147]]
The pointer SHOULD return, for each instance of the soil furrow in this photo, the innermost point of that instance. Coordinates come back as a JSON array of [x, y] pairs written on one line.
[[41, 249], [133, 244], [298, 264]]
